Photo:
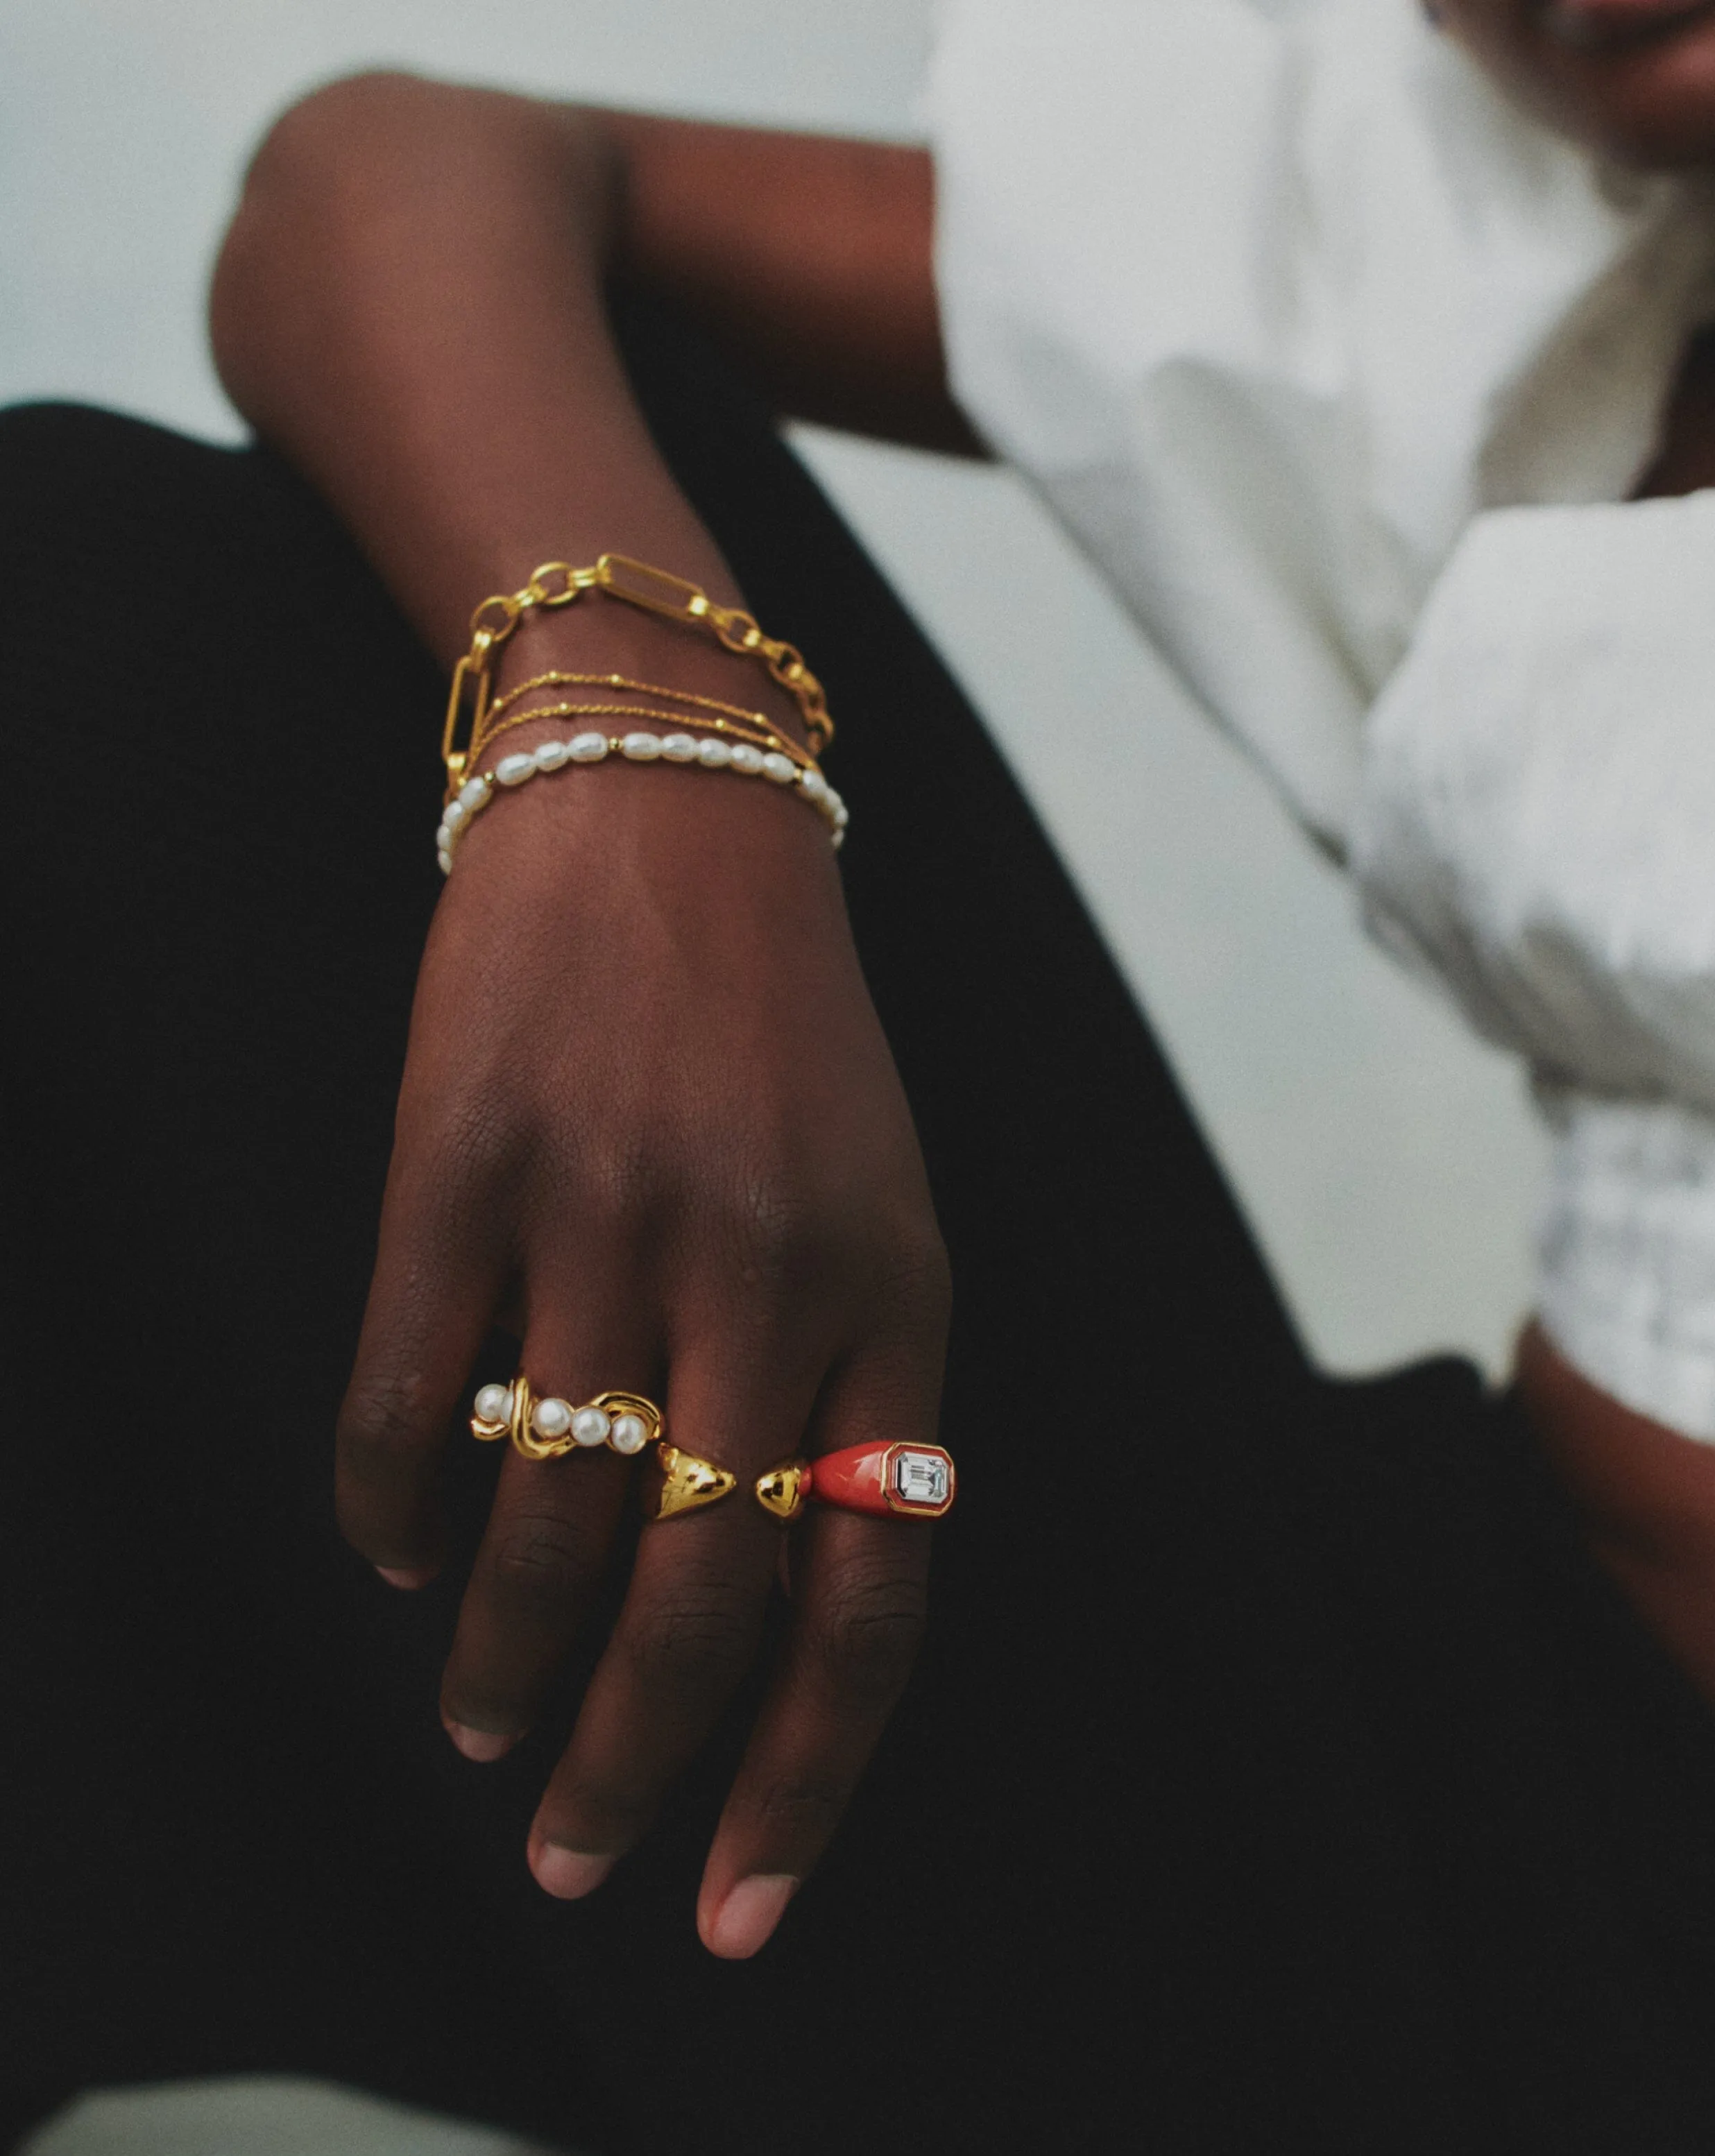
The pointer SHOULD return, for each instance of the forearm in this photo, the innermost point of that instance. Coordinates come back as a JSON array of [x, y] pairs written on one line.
[[648, 1117], [409, 306]]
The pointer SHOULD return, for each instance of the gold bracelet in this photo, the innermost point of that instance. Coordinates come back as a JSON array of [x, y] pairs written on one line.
[[557, 584], [764, 737], [556, 680], [737, 723]]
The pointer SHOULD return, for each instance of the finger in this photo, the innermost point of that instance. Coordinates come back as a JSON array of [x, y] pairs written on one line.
[[690, 1626], [431, 1302], [548, 1536], [860, 1598], [858, 1621]]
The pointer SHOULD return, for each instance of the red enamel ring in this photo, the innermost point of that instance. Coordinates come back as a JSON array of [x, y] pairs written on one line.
[[902, 1482]]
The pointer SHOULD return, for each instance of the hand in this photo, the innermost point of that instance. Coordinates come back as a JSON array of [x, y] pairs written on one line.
[[648, 1107]]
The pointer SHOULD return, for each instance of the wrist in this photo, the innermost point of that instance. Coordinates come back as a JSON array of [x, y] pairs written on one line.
[[713, 800], [498, 739], [616, 842]]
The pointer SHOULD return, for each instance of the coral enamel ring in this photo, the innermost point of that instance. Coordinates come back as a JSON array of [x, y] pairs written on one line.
[[898, 1482]]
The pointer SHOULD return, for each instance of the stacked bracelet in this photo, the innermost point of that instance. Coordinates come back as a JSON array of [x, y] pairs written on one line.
[[616, 576], [711, 754], [734, 739]]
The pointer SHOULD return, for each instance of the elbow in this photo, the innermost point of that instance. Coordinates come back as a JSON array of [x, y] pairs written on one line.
[[326, 133], [318, 176], [340, 141], [362, 174]]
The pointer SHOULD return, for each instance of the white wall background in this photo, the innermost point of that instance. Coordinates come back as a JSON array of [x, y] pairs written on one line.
[[1388, 1165]]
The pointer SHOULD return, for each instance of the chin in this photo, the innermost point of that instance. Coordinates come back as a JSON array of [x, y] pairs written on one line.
[[1651, 106]]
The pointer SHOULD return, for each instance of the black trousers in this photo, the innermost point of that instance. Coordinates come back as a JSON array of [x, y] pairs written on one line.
[[1280, 1774]]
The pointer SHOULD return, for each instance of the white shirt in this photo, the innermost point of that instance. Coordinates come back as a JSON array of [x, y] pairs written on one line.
[[1341, 369]]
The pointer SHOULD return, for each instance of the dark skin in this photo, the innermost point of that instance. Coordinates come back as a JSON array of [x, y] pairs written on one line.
[[1633, 79], [647, 1111], [648, 1116]]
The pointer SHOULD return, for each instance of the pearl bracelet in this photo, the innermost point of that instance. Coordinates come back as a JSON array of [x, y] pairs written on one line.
[[711, 754]]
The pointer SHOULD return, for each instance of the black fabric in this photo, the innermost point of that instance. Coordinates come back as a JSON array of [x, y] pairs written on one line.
[[1280, 1774]]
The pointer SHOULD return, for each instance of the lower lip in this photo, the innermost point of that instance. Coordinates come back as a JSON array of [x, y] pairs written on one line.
[[1598, 24]]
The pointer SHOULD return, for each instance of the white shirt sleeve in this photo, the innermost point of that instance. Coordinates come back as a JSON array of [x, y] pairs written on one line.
[[1268, 303], [1537, 826], [1537, 817]]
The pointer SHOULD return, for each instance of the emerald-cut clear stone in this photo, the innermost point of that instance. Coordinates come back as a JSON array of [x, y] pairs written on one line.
[[920, 1478]]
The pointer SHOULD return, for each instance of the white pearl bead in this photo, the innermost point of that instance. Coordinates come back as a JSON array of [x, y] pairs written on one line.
[[552, 1417], [550, 754], [780, 768], [587, 748], [641, 748], [443, 840], [745, 758], [814, 784], [452, 815], [839, 840], [590, 1426], [715, 754], [446, 863], [630, 1433], [514, 770], [842, 816], [679, 748], [473, 795], [494, 1403]]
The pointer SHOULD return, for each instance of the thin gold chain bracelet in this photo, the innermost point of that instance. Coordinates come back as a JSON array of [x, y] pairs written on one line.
[[557, 584], [763, 738], [556, 679], [707, 714]]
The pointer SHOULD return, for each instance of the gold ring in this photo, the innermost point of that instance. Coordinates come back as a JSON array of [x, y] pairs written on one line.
[[688, 1483], [784, 1489], [545, 1427]]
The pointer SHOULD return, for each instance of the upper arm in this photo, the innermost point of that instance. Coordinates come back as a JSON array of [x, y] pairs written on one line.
[[810, 257]]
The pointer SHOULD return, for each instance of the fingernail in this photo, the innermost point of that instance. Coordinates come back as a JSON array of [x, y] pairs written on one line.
[[568, 1874], [399, 1576], [748, 1914], [481, 1745]]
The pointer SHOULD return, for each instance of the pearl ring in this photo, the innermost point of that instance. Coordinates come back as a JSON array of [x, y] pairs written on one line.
[[547, 1428]]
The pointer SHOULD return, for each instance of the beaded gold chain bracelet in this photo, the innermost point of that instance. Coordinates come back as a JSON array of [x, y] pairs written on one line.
[[707, 714]]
